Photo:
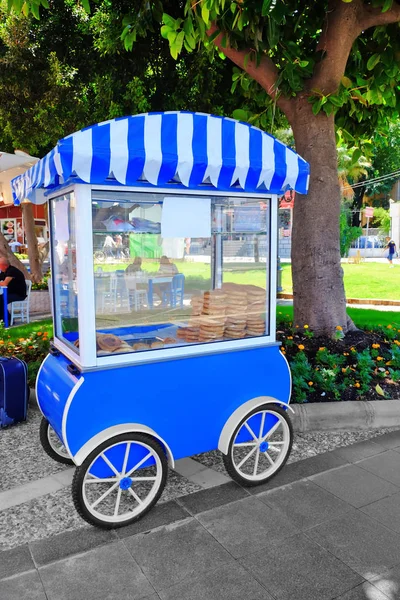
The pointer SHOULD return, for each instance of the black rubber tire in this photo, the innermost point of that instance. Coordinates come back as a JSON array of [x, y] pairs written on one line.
[[228, 463], [44, 440], [80, 472]]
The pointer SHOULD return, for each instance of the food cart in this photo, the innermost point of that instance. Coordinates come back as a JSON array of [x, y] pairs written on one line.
[[170, 352]]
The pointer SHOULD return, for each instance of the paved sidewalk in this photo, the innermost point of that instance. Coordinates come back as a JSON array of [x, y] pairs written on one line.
[[324, 528]]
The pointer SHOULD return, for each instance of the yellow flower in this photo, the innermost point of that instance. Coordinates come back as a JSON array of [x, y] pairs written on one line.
[[379, 358], [353, 349], [339, 328], [345, 354], [1, 343], [344, 370], [389, 327], [305, 326], [289, 337], [300, 347], [21, 339], [376, 345], [357, 385], [310, 383], [322, 348]]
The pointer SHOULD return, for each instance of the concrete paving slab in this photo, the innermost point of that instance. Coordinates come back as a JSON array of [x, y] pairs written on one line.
[[365, 591], [298, 568], [356, 452], [388, 582], [246, 526], [100, 574], [386, 466], [161, 514], [386, 511], [65, 477], [305, 504], [29, 491], [208, 499], [15, 561], [354, 485], [23, 587], [228, 582], [171, 554], [389, 440], [69, 543], [359, 541]]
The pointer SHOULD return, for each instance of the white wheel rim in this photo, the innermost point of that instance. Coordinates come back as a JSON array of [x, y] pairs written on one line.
[[103, 496], [55, 444], [266, 450]]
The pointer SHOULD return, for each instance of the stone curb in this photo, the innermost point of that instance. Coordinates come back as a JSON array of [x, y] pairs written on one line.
[[335, 416]]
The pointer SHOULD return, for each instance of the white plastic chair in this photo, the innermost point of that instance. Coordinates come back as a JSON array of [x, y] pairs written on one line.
[[20, 309], [137, 296]]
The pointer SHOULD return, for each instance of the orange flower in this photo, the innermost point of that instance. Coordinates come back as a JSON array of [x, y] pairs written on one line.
[[310, 383], [357, 385], [30, 347], [289, 337], [353, 349], [322, 348], [39, 333], [379, 358], [300, 347], [345, 354], [389, 327], [339, 328], [344, 370], [21, 339], [376, 345]]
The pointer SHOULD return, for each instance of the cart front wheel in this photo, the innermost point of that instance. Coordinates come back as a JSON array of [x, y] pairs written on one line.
[[260, 446], [52, 445], [120, 481]]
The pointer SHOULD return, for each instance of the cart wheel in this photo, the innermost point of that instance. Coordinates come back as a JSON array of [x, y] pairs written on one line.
[[52, 445], [120, 481], [260, 446]]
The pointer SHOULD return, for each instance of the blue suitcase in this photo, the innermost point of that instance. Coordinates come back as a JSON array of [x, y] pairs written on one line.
[[14, 391]]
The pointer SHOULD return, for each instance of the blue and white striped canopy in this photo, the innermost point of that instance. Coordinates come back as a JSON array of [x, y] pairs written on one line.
[[192, 149]]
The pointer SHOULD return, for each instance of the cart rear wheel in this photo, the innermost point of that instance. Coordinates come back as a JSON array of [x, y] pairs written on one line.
[[52, 444], [120, 481], [260, 446]]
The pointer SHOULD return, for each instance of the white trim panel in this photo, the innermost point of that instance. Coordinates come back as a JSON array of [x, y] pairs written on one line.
[[111, 432], [240, 413], [65, 414], [36, 383]]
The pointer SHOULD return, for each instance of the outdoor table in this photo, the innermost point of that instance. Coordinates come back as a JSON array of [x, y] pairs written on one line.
[[159, 279], [125, 393], [4, 291]]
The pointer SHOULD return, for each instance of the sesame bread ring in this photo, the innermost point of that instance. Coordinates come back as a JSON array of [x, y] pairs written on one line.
[[109, 342]]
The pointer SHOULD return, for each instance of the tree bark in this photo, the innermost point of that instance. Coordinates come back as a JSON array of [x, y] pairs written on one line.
[[318, 289], [35, 261], [5, 252]]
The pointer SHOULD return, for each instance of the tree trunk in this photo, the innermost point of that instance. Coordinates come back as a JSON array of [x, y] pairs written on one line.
[[35, 261], [318, 289], [5, 252]]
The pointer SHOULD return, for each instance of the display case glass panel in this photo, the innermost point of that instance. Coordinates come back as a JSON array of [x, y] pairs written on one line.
[[176, 270], [64, 271]]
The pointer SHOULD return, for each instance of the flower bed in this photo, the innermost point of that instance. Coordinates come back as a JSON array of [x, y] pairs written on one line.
[[32, 349], [363, 365]]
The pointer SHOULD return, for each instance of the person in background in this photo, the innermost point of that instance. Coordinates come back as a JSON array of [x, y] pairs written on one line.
[[14, 245], [391, 246], [14, 280], [109, 246], [135, 267], [166, 269], [118, 245]]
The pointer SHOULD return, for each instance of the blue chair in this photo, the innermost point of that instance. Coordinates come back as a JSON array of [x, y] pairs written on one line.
[[178, 288]]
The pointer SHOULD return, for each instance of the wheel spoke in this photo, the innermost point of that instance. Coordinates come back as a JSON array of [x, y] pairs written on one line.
[[140, 463], [271, 431], [269, 458], [256, 462], [246, 457], [116, 509], [273, 447], [262, 426], [143, 478], [249, 429], [241, 444], [138, 500], [104, 457], [128, 449], [112, 488]]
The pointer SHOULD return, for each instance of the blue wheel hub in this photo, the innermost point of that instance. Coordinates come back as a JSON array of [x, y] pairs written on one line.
[[264, 446], [125, 483]]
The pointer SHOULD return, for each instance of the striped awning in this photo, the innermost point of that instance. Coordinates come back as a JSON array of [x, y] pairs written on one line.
[[191, 149]]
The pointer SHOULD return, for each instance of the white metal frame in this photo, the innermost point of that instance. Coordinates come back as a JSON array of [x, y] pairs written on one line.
[[87, 358]]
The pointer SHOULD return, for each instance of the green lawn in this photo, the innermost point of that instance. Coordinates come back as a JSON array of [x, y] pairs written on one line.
[[366, 280], [363, 318], [23, 331]]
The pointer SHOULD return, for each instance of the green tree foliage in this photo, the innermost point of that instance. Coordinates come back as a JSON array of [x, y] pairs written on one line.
[[348, 233], [386, 160]]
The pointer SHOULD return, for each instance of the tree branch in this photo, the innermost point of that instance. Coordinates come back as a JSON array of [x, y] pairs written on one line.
[[341, 29], [265, 73], [373, 17]]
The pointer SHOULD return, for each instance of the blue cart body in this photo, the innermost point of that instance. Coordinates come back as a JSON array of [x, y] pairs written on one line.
[[186, 403]]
